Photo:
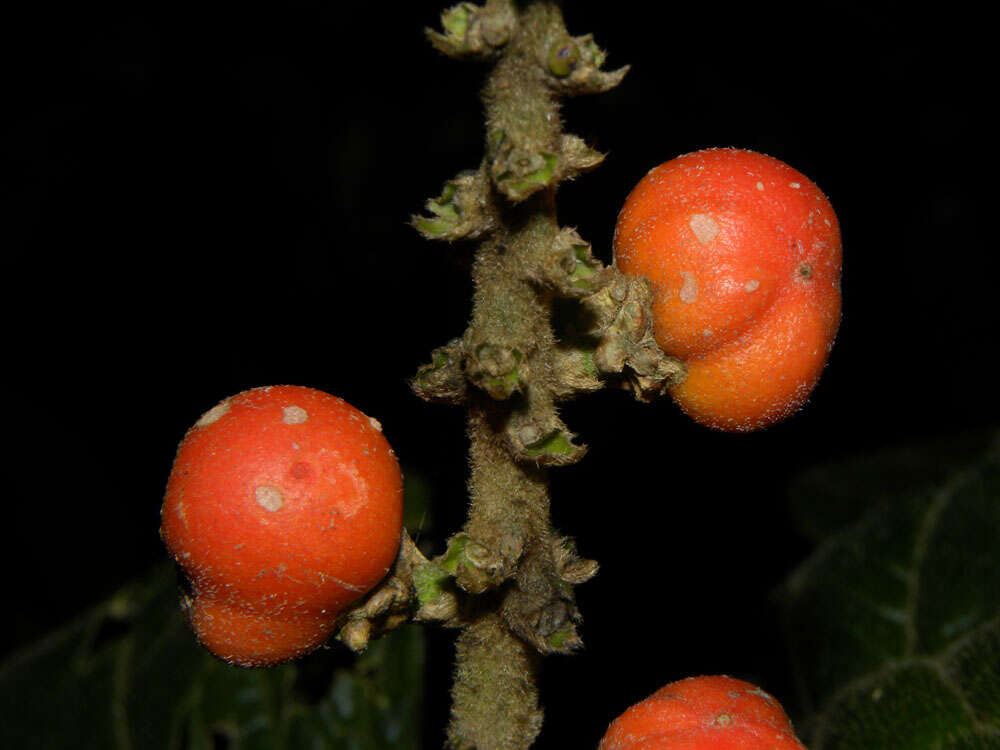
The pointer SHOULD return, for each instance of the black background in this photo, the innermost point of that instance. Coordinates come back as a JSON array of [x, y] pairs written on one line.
[[203, 200]]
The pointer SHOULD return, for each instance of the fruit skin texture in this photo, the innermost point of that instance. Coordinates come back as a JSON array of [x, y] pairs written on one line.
[[744, 257], [704, 713], [284, 505]]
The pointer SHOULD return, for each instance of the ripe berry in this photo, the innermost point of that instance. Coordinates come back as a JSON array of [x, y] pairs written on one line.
[[743, 254], [704, 713], [284, 505]]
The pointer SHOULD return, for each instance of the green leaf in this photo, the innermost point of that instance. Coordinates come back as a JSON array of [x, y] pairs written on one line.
[[129, 674], [829, 497], [894, 622]]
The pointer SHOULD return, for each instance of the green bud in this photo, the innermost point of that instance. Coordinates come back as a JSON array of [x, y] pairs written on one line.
[[563, 58], [454, 554], [529, 171], [456, 20], [597, 55], [555, 443], [559, 639], [583, 267], [429, 581], [500, 371], [460, 212]]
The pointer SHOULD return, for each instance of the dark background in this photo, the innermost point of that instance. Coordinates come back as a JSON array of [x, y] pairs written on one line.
[[206, 200]]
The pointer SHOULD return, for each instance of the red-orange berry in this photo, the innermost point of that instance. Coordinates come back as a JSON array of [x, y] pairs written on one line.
[[284, 505], [704, 713], [743, 254]]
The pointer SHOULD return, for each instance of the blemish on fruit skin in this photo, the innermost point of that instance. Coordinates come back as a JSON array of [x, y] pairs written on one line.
[[375, 423], [293, 415], [760, 185], [806, 271], [794, 185], [722, 720], [752, 285], [300, 470], [214, 414], [705, 228], [269, 498], [345, 584], [689, 287], [765, 696]]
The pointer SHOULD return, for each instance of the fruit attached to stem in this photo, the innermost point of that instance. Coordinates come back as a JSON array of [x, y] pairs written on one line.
[[284, 505], [743, 254]]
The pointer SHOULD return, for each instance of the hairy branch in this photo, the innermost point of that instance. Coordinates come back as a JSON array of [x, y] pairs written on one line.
[[507, 577]]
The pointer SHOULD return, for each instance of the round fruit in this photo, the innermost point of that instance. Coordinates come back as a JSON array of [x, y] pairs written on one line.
[[743, 254], [284, 505], [704, 713]]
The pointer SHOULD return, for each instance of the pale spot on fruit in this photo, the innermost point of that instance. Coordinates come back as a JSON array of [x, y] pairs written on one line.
[[752, 286], [705, 228], [794, 185], [294, 415], [213, 415], [706, 332], [760, 185], [827, 222], [350, 489], [375, 423], [269, 498], [722, 720], [689, 287]]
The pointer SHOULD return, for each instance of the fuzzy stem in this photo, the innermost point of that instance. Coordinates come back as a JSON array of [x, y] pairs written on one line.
[[509, 507], [495, 696]]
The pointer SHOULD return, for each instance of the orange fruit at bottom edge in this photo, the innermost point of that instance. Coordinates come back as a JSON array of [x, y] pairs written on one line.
[[704, 713]]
